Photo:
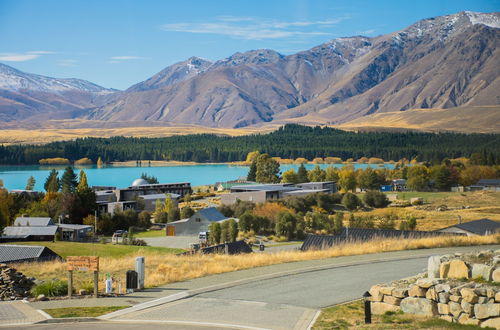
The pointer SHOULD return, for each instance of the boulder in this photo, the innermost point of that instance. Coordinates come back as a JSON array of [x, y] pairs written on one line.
[[392, 300], [444, 268], [447, 318], [381, 307], [433, 264], [426, 282], [444, 297], [376, 295], [455, 309], [442, 287], [431, 294], [469, 295], [490, 293], [495, 277], [458, 269], [492, 323], [387, 290], [466, 319], [482, 271], [416, 291], [443, 309], [456, 299], [467, 307], [484, 311], [482, 300], [400, 293], [419, 306], [497, 297]]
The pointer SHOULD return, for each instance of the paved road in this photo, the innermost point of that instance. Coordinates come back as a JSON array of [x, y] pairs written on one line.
[[112, 326], [290, 301], [283, 296]]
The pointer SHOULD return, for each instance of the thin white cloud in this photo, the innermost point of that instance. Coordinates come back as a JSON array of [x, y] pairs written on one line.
[[41, 52], [254, 28], [67, 63], [127, 58], [367, 32], [22, 57]]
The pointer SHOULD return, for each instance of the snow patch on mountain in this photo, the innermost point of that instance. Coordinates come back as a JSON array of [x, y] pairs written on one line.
[[488, 19]]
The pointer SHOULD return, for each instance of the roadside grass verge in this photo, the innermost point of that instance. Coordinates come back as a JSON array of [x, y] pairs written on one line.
[[65, 249], [163, 268], [351, 316], [82, 311]]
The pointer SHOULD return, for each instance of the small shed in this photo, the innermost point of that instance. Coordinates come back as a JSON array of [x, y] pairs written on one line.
[[25, 253], [197, 223], [75, 233], [477, 227]]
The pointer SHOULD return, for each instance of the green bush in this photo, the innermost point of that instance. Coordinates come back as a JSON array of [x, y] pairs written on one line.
[[52, 288], [375, 199], [351, 201]]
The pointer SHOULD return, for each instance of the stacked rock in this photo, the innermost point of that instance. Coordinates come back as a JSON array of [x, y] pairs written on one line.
[[458, 288], [13, 285]]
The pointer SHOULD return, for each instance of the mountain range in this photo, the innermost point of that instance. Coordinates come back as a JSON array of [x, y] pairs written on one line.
[[447, 63]]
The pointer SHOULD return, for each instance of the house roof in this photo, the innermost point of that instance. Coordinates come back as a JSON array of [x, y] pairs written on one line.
[[211, 214], [265, 187], [159, 196], [72, 226], [479, 227], [488, 182], [33, 222], [320, 242], [16, 253], [19, 231]]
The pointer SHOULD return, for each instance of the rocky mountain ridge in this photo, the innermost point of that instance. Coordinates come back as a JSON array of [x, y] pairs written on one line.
[[443, 62]]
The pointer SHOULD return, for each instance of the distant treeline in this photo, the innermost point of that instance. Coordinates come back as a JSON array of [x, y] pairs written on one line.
[[290, 141]]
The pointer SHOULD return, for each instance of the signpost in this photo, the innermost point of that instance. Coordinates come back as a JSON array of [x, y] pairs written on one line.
[[82, 264]]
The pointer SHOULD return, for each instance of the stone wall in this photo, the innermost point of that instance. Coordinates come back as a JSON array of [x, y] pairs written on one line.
[[458, 288], [13, 285]]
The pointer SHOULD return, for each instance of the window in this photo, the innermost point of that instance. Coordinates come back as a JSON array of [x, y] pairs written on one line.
[[198, 220]]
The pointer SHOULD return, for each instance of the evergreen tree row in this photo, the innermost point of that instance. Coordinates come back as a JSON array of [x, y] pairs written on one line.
[[290, 141]]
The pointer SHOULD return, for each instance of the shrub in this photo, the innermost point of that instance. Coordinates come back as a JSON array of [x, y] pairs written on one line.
[[376, 199], [351, 201], [52, 288]]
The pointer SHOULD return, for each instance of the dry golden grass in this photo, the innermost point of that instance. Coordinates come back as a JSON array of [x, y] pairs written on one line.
[[166, 268], [483, 204], [45, 135]]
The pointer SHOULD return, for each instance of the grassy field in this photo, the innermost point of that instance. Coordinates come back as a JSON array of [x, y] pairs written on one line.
[[82, 311], [65, 249], [150, 233], [351, 316], [469, 206], [163, 268]]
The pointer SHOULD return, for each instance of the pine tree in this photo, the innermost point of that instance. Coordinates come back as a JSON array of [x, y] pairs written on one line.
[[68, 180], [252, 173], [302, 174], [52, 183], [30, 185]]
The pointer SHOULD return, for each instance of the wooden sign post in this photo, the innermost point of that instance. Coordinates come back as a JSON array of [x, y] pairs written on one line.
[[82, 264]]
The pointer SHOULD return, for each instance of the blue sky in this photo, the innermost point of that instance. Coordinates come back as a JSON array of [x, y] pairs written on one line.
[[118, 43]]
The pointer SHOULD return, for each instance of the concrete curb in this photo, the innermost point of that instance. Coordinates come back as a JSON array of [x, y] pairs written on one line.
[[68, 320], [216, 287]]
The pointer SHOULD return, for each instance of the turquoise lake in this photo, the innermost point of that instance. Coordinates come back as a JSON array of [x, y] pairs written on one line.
[[15, 177]]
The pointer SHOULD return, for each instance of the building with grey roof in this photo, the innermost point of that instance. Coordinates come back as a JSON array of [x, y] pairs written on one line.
[[28, 233], [477, 227], [195, 224], [259, 193], [25, 253], [33, 221]]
